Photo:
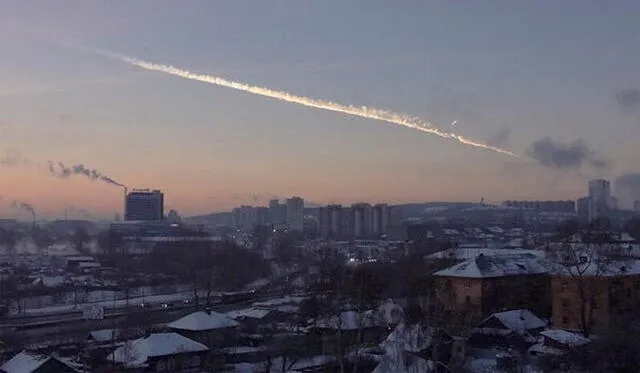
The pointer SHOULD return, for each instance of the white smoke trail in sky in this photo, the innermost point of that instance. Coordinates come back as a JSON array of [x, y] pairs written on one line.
[[359, 111]]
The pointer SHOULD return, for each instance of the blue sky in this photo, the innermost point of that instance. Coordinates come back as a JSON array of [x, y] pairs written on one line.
[[526, 69]]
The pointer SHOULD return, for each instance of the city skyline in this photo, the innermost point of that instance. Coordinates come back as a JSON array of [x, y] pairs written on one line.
[[552, 84]]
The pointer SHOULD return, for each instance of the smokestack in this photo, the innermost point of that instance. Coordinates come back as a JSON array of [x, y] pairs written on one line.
[[124, 212]]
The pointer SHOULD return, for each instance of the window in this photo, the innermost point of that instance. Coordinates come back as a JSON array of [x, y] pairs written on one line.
[[468, 300], [467, 284], [594, 304], [565, 302], [565, 320]]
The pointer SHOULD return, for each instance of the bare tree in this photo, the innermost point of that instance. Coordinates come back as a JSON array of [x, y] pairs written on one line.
[[583, 258]]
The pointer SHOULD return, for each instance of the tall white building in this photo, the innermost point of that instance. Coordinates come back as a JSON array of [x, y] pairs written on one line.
[[295, 213]]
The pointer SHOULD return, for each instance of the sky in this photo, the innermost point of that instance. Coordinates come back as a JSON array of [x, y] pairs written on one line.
[[531, 77]]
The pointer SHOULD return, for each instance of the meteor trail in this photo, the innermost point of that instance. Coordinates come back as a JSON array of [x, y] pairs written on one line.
[[362, 111]]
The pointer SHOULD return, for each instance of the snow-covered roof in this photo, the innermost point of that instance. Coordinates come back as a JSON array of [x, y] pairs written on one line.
[[50, 281], [564, 337], [29, 361], [541, 349], [201, 321], [104, 335], [473, 252], [487, 266], [25, 362], [518, 321], [251, 313], [136, 353]]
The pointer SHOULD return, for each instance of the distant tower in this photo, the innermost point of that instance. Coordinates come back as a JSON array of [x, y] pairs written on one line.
[[144, 204], [295, 213], [600, 200]]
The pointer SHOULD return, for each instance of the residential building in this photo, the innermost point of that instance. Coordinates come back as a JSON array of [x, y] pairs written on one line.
[[595, 296], [277, 212], [601, 202], [340, 332], [362, 220], [381, 219], [486, 284], [330, 221], [160, 352], [513, 328], [582, 209], [211, 328], [295, 214], [262, 215], [557, 342], [244, 217], [144, 204], [33, 362]]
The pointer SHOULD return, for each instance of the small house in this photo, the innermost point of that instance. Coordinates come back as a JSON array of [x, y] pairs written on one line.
[[515, 328], [558, 342], [351, 327], [208, 327], [160, 352], [33, 362]]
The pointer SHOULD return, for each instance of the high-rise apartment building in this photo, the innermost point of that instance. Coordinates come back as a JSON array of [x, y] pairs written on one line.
[[600, 200], [381, 219], [244, 217], [295, 214], [362, 220], [583, 207], [277, 212], [330, 221], [144, 205]]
